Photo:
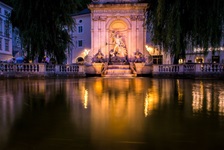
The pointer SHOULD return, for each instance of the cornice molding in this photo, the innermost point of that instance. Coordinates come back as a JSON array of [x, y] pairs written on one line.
[[132, 6]]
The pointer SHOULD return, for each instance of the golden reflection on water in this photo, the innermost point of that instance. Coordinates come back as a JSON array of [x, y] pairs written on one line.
[[198, 96], [113, 107], [151, 99], [208, 97], [179, 91], [85, 103]]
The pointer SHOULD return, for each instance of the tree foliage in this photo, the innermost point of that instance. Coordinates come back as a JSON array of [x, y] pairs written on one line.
[[44, 25], [177, 25]]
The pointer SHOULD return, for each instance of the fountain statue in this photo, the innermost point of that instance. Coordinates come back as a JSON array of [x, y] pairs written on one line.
[[119, 52], [139, 57], [98, 57]]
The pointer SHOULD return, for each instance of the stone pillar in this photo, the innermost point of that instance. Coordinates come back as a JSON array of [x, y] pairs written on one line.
[[95, 36], [42, 68], [134, 41], [103, 35]]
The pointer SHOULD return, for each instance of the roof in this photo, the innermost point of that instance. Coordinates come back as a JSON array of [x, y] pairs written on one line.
[[5, 4], [84, 11]]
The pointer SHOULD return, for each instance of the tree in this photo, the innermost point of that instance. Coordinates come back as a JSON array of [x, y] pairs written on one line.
[[177, 25], [44, 25]]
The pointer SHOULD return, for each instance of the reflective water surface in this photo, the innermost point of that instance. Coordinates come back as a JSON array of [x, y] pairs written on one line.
[[111, 113]]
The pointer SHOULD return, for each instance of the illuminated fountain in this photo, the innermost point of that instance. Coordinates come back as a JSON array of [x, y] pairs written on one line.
[[118, 38]]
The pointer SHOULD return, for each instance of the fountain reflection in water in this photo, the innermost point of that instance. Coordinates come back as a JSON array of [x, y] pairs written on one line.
[[111, 113]]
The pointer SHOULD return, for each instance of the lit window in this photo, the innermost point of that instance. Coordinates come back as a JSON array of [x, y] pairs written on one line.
[[80, 29], [80, 43]]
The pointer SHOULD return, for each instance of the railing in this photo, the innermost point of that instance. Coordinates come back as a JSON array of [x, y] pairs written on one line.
[[169, 68], [212, 67], [40, 68], [77, 69], [188, 68], [27, 67], [68, 68]]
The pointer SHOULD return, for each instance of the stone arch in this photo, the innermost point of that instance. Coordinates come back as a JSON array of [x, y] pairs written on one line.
[[118, 21], [119, 28], [80, 60]]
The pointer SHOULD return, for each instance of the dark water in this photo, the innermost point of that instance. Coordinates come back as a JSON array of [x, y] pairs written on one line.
[[111, 114]]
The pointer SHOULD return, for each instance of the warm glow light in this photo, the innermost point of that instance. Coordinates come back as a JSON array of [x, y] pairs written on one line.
[[198, 96], [148, 105], [180, 91], [209, 101], [221, 103], [209, 49], [149, 48], [181, 61], [98, 87], [85, 99], [151, 101], [86, 52]]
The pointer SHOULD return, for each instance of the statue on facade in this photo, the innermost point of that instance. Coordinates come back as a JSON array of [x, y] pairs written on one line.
[[98, 57], [119, 51], [139, 57]]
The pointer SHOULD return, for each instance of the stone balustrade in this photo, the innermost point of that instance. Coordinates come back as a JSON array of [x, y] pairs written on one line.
[[40, 69], [212, 67], [203, 70], [187, 68], [168, 70]]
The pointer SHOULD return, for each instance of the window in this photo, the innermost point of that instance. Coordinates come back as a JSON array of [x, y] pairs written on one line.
[[80, 29], [0, 26], [6, 45], [80, 43], [6, 13], [215, 59], [7, 28], [199, 60], [158, 59], [0, 44]]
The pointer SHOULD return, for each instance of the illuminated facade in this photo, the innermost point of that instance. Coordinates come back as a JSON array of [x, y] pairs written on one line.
[[5, 33], [99, 27], [110, 20], [81, 37]]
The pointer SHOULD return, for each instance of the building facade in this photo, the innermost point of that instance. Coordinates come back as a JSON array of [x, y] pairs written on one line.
[[81, 37], [5, 33], [111, 28], [118, 28]]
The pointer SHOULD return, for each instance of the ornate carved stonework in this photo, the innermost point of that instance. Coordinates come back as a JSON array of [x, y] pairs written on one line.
[[103, 18], [133, 17], [133, 11], [116, 1], [141, 18], [95, 18], [98, 57], [118, 30]]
